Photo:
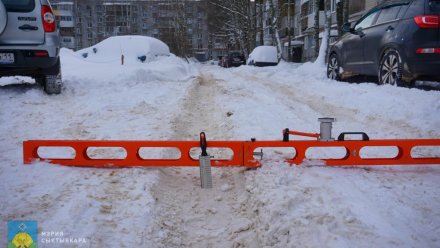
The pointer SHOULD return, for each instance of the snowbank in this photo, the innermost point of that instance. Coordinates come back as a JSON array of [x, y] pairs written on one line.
[[136, 49]]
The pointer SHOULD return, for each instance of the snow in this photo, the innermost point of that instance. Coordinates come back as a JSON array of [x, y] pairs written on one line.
[[320, 60], [277, 205], [333, 33], [266, 54]]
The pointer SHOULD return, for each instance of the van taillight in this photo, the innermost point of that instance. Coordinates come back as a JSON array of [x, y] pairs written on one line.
[[48, 18], [427, 21]]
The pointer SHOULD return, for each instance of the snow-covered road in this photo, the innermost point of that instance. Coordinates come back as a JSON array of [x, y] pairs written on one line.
[[273, 206]]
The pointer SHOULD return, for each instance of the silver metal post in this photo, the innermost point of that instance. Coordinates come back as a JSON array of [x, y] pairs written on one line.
[[326, 129], [205, 172]]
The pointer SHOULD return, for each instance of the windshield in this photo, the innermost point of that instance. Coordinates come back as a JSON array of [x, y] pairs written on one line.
[[19, 5], [234, 55]]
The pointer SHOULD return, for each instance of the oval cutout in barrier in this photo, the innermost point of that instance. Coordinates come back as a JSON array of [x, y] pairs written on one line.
[[332, 152], [159, 153], [106, 153], [56, 152], [367, 152], [425, 152], [275, 152], [220, 153]]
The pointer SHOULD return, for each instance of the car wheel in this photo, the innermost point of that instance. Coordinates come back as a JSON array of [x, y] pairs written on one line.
[[333, 68], [390, 69], [52, 83]]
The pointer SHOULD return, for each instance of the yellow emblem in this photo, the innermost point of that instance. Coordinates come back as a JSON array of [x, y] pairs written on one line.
[[22, 240]]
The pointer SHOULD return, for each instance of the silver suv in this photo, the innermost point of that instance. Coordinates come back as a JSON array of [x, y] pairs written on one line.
[[30, 42]]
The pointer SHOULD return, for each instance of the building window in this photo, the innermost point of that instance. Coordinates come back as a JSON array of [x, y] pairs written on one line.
[[309, 42], [66, 18]]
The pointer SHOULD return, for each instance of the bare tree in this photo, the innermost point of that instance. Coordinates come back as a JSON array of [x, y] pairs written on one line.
[[328, 26], [239, 22], [274, 12], [346, 11], [340, 16], [316, 27]]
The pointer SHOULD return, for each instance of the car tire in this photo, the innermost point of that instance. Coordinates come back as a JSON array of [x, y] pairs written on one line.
[[333, 67], [52, 81], [391, 69]]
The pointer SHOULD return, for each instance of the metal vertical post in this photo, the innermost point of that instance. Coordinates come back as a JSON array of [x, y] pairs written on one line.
[[326, 129], [205, 164]]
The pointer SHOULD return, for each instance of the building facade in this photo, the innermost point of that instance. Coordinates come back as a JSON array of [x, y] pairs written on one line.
[[297, 18], [181, 24]]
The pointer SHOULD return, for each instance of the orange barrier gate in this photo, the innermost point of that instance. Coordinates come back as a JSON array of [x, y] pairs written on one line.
[[244, 152]]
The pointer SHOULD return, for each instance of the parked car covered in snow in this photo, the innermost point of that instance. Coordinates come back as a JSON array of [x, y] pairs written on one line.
[[134, 48], [398, 41], [30, 42], [263, 56]]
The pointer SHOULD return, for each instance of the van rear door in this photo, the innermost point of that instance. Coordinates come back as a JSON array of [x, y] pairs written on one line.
[[24, 23]]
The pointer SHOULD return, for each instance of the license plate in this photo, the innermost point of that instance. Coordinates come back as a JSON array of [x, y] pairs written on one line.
[[7, 58]]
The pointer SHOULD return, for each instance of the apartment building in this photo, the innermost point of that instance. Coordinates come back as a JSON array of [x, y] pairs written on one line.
[[298, 18], [84, 23]]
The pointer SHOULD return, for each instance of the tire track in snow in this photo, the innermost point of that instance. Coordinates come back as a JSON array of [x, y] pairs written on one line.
[[186, 215], [326, 108]]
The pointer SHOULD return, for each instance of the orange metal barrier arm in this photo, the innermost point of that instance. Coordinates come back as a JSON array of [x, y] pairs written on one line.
[[243, 152], [353, 147], [30, 153]]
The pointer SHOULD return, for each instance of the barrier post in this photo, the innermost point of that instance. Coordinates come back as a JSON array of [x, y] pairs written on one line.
[[205, 164]]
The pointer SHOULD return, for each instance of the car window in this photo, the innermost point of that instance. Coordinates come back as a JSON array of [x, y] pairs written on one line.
[[434, 6], [19, 5], [388, 14], [366, 21]]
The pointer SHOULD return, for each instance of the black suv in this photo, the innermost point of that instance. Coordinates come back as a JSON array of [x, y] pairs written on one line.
[[30, 42], [398, 40], [233, 59]]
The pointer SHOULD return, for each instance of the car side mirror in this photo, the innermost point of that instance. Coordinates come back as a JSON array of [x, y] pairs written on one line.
[[346, 28]]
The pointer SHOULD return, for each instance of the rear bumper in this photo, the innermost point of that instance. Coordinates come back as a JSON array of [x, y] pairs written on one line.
[[261, 64], [237, 63], [424, 65], [25, 64]]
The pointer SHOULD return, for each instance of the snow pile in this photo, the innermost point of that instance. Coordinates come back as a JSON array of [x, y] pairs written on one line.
[[105, 65], [264, 54], [311, 206], [134, 48]]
